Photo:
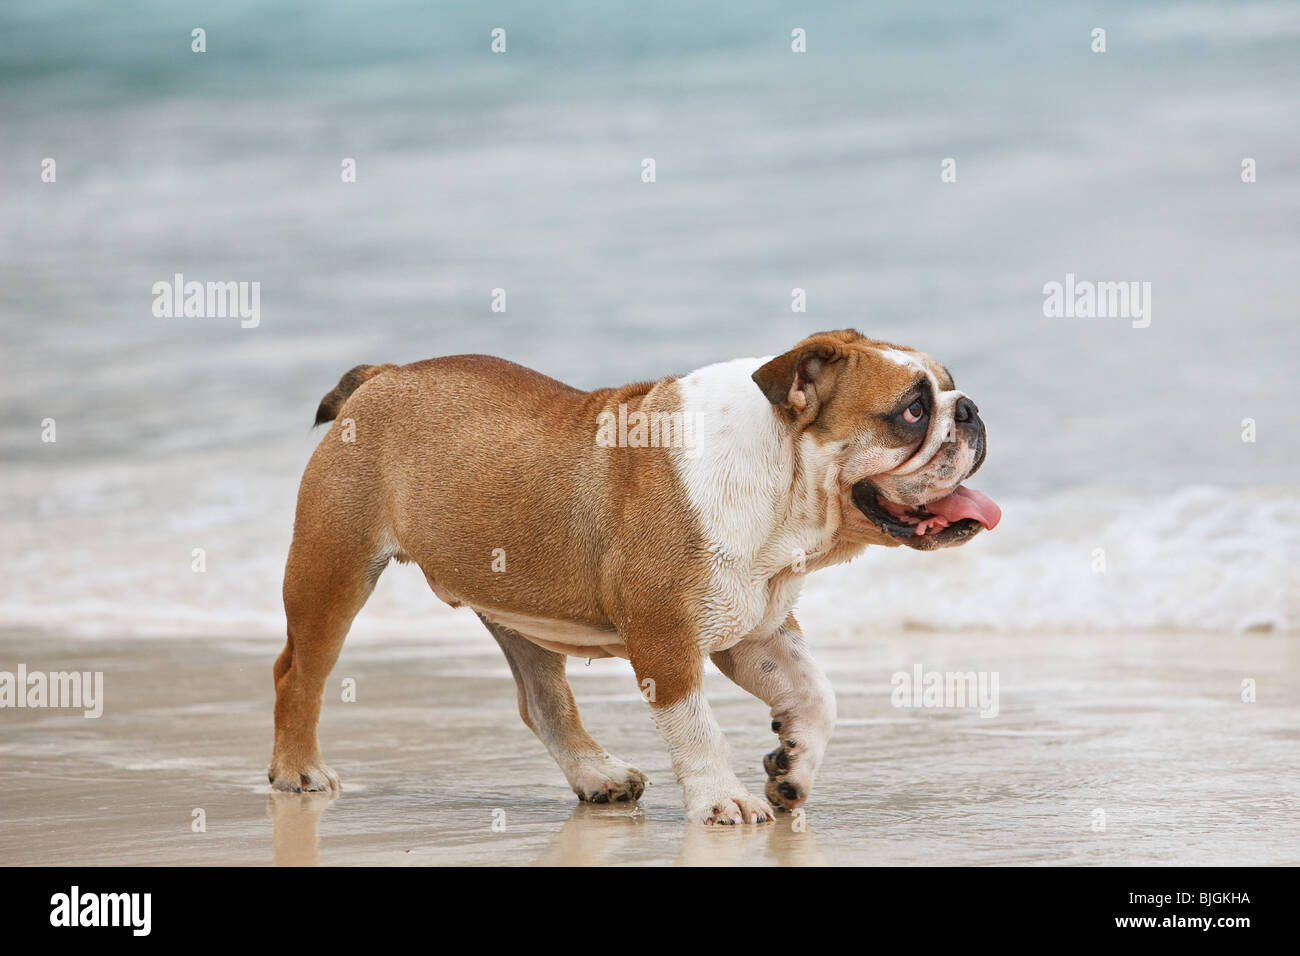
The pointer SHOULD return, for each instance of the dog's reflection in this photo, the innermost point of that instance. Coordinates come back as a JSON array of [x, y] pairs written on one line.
[[295, 826], [602, 834], [594, 835]]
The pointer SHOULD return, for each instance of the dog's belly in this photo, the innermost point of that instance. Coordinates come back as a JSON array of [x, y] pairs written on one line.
[[563, 637]]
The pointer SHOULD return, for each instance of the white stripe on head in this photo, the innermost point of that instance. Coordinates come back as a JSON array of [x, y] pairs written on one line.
[[943, 416]]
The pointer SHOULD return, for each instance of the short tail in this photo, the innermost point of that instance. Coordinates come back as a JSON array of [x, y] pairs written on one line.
[[349, 383]]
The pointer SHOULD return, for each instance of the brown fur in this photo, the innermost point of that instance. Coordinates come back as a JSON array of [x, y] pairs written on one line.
[[450, 462], [843, 380], [453, 458]]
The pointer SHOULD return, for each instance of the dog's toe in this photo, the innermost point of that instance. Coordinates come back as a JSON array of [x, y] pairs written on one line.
[[729, 809], [607, 780], [316, 778], [786, 786]]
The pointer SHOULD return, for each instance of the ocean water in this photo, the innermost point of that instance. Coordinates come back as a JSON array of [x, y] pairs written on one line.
[[1131, 501]]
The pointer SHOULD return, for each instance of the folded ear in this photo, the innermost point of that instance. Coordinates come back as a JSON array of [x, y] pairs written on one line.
[[803, 378]]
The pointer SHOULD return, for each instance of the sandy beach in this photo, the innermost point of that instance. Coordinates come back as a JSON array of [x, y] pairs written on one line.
[[618, 196], [1150, 730]]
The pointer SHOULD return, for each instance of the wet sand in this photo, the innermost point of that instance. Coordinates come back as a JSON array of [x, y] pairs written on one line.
[[1149, 729]]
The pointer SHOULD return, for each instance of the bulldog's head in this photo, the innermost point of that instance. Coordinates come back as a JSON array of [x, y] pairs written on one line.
[[892, 434]]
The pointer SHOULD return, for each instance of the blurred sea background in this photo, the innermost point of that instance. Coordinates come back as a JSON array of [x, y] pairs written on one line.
[[775, 170]]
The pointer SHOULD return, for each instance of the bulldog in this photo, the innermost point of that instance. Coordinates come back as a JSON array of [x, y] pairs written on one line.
[[663, 522]]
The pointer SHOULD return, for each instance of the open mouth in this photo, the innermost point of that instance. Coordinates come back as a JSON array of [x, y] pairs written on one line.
[[959, 515]]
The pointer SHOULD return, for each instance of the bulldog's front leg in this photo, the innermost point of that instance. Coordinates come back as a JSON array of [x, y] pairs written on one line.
[[702, 762], [780, 670], [670, 674]]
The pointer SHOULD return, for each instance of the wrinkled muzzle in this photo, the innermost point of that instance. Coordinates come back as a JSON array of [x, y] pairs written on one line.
[[922, 501]]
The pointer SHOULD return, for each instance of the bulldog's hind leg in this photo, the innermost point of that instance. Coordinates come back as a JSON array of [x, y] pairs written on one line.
[[326, 581], [546, 704], [779, 670]]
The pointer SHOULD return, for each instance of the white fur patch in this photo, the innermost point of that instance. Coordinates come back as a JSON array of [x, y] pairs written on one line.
[[737, 479], [702, 763], [778, 668], [732, 474], [903, 358]]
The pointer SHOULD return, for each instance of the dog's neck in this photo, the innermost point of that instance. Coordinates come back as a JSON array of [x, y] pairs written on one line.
[[767, 494], [810, 535]]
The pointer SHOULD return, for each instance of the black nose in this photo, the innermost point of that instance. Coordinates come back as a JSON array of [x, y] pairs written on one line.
[[966, 410]]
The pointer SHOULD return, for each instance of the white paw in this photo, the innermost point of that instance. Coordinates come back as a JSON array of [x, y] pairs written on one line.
[[724, 802], [308, 777], [605, 779]]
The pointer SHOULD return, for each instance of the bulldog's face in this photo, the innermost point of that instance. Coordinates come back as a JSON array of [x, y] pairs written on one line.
[[893, 436]]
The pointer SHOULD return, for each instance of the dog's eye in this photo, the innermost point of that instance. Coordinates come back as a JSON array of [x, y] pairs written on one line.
[[914, 412]]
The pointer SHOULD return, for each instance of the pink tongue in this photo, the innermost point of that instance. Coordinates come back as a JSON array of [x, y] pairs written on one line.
[[965, 503]]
